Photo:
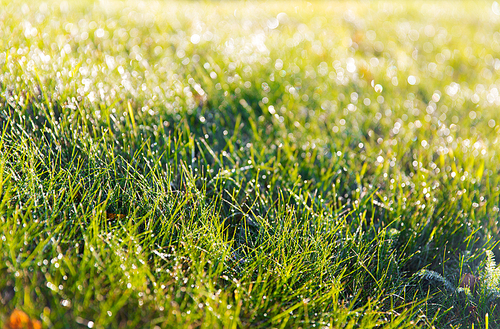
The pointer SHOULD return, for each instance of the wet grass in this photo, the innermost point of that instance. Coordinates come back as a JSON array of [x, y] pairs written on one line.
[[236, 165]]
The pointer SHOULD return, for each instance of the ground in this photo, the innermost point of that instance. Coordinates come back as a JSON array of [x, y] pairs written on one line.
[[249, 164]]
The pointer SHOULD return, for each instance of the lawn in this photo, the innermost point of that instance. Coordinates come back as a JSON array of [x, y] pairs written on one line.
[[250, 164]]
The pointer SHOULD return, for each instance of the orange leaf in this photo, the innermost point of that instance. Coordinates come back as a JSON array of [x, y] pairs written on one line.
[[110, 215], [469, 281], [20, 320]]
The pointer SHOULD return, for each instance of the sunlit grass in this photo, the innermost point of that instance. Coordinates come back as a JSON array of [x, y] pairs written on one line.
[[235, 164]]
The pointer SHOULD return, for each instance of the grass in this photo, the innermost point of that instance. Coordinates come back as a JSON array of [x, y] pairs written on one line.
[[241, 164]]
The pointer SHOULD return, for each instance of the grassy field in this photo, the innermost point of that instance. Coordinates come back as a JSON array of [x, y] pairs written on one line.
[[250, 164]]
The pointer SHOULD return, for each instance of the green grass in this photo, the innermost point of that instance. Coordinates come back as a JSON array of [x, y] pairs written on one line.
[[250, 164]]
